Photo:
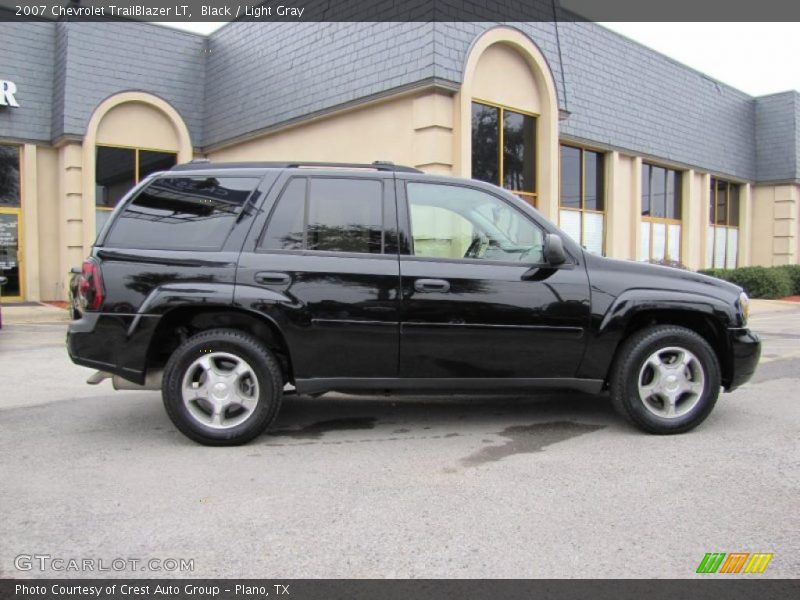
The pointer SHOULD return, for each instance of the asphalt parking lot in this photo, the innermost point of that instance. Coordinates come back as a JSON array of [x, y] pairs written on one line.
[[549, 486]]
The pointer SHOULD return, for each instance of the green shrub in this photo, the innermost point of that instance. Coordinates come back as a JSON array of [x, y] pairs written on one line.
[[718, 273], [758, 282], [794, 275]]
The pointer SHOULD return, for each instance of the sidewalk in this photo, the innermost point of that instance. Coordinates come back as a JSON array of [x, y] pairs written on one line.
[[758, 306], [16, 314]]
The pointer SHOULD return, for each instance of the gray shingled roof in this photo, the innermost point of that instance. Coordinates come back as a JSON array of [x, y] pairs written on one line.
[[248, 77]]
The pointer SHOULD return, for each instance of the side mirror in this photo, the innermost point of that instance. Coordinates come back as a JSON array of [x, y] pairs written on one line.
[[554, 249]]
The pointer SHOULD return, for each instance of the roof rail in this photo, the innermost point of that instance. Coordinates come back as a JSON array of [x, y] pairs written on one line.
[[375, 166]]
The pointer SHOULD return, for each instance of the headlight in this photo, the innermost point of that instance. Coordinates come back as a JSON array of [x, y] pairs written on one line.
[[744, 307]]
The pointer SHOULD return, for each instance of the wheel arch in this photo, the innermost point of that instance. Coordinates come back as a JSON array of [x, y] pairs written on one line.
[[701, 323], [631, 312], [183, 322]]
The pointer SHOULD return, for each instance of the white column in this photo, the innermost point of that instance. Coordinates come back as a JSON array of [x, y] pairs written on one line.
[[29, 233], [688, 221], [785, 225], [636, 214], [703, 204], [72, 223], [745, 247]]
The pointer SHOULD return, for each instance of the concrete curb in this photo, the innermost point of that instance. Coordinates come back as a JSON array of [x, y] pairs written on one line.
[[41, 313]]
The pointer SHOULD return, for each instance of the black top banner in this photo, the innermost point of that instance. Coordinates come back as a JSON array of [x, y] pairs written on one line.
[[421, 589], [400, 10]]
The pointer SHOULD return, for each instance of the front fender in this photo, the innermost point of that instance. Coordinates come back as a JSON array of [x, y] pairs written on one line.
[[611, 326]]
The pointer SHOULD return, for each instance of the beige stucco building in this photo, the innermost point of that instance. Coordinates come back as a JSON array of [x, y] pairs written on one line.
[[503, 111]]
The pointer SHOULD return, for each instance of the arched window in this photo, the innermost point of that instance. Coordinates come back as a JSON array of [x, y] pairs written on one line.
[[504, 148], [509, 118]]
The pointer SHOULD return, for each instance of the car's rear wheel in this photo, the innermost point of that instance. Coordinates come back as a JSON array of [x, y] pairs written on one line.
[[222, 387], [665, 379]]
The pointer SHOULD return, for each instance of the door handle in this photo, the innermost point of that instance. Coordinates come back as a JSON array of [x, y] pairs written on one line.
[[266, 278], [432, 285]]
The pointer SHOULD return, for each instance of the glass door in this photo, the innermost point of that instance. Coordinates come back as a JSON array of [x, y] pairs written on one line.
[[11, 255]]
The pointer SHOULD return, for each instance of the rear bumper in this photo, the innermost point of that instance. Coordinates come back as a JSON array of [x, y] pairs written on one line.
[[745, 352], [114, 343]]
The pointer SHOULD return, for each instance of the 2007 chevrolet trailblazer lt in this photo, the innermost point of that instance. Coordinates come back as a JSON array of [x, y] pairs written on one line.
[[222, 283]]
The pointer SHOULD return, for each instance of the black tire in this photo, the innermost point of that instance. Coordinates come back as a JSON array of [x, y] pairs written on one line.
[[244, 346], [625, 372]]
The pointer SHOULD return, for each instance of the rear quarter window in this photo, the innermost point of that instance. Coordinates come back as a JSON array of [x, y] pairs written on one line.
[[182, 213]]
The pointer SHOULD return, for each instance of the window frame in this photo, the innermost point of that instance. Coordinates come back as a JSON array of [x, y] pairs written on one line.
[[712, 222], [582, 187], [137, 178], [404, 217], [389, 247], [666, 221], [531, 198], [713, 201]]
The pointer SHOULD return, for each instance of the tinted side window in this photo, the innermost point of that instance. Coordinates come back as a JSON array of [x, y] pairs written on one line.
[[285, 230], [328, 214], [182, 213], [345, 215]]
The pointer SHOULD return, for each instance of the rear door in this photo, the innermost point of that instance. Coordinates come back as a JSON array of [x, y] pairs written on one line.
[[322, 263]]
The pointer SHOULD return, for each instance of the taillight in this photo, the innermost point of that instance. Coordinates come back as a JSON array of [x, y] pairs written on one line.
[[90, 286]]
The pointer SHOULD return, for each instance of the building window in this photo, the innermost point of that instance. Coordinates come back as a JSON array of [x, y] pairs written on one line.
[[661, 214], [504, 149], [9, 176], [583, 197], [118, 169], [10, 225], [722, 244]]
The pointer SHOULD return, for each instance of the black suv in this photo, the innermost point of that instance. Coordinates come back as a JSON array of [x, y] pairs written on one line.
[[225, 284]]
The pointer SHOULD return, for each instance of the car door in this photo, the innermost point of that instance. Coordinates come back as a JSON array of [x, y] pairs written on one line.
[[477, 299], [325, 269]]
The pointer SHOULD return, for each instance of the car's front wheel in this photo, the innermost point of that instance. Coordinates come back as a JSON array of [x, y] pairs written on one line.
[[222, 387], [665, 379]]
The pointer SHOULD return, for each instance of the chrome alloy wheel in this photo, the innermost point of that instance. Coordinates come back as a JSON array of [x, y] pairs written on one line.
[[671, 382], [220, 390]]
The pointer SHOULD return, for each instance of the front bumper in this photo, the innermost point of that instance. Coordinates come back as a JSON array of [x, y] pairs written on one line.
[[745, 347]]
